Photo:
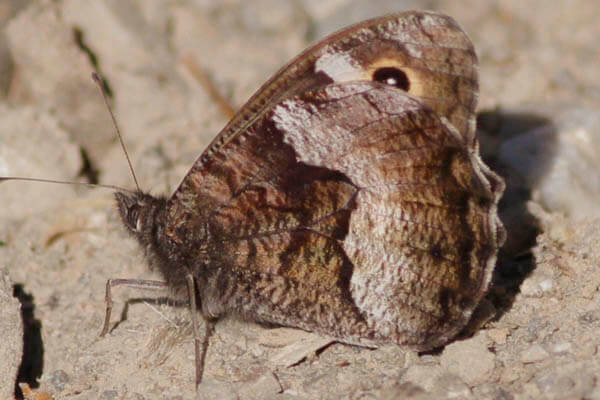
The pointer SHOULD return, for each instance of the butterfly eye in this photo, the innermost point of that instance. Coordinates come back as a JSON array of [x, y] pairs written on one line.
[[393, 77], [133, 216]]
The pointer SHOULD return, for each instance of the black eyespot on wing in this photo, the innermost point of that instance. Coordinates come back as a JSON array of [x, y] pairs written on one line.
[[393, 77]]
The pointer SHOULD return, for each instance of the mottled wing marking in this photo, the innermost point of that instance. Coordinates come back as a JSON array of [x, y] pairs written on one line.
[[436, 54], [419, 237]]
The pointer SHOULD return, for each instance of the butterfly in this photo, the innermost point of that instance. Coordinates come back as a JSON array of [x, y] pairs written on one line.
[[347, 197]]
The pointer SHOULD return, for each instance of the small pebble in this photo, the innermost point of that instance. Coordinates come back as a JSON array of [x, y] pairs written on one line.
[[533, 354], [58, 379], [470, 359], [561, 347]]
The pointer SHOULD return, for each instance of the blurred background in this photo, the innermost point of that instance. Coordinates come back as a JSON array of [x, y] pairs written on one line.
[[538, 125]]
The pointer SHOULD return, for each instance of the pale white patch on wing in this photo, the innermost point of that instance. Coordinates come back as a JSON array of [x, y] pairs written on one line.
[[430, 21], [413, 50], [338, 66], [397, 32]]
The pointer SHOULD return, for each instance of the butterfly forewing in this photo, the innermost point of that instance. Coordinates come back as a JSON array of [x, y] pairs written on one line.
[[430, 48]]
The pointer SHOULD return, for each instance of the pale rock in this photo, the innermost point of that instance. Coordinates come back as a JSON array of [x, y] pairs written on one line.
[[469, 359], [558, 160]]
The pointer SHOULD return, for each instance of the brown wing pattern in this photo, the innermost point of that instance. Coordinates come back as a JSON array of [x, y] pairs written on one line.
[[436, 55], [340, 205]]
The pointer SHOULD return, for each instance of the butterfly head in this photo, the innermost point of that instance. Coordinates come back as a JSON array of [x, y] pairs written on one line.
[[139, 213]]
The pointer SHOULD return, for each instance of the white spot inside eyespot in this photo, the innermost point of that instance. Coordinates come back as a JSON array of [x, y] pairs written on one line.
[[138, 225], [391, 82]]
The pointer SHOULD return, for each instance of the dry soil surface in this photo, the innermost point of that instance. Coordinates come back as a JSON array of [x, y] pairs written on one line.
[[536, 334]]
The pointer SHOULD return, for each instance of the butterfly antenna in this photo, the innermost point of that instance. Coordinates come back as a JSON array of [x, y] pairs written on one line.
[[92, 185], [96, 77]]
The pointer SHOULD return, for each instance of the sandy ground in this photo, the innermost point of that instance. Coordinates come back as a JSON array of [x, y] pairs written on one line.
[[539, 122]]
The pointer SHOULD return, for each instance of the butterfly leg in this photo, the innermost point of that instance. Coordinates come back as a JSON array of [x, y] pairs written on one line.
[[134, 283], [200, 346]]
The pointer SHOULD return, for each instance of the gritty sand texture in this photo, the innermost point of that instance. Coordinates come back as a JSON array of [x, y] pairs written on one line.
[[535, 335]]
